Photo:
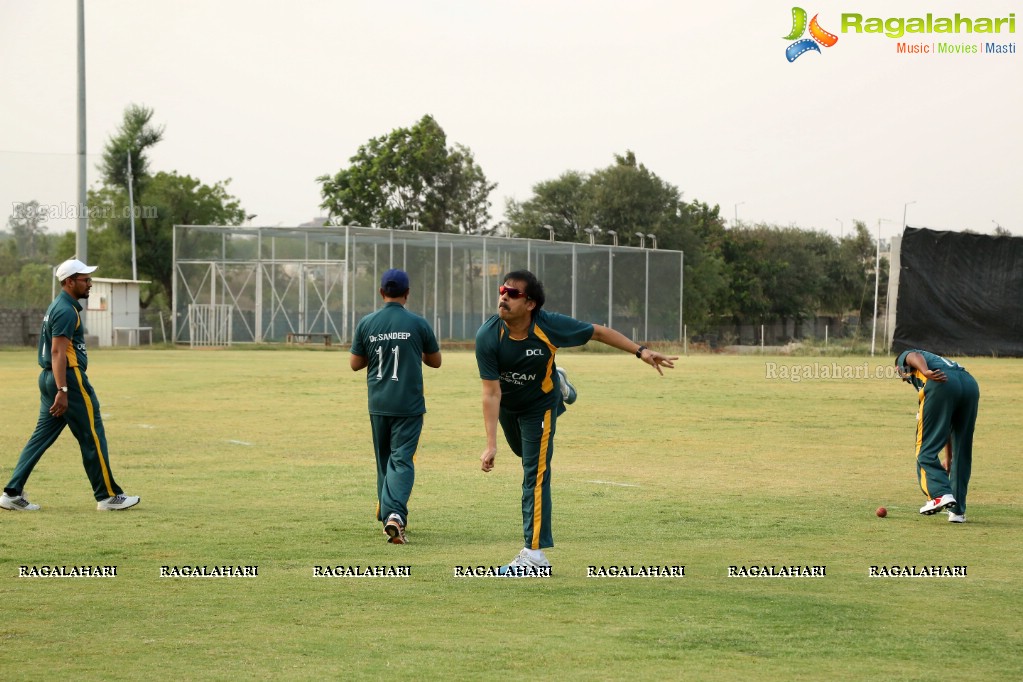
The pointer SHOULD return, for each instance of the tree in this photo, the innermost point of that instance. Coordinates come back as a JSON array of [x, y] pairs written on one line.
[[562, 204], [28, 224], [466, 205], [168, 199], [856, 257], [27, 257], [777, 273], [780, 273], [134, 137], [625, 198], [161, 200], [628, 198], [410, 179]]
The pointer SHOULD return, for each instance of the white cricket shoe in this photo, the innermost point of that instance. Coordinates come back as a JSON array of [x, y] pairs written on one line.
[[937, 504], [527, 565], [17, 503], [956, 518], [117, 503]]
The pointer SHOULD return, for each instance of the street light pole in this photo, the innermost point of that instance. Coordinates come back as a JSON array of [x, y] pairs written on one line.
[[735, 208], [131, 209], [642, 240], [549, 229], [877, 284], [653, 238]]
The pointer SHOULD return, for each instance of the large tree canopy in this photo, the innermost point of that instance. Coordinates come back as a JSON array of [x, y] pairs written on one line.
[[626, 200], [410, 179], [788, 273]]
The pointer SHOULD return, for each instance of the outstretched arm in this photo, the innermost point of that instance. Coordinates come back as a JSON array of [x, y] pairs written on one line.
[[616, 339]]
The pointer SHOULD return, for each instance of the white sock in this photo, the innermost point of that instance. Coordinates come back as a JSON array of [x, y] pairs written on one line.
[[536, 554]]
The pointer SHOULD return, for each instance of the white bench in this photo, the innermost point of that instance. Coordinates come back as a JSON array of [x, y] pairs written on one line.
[[134, 335]]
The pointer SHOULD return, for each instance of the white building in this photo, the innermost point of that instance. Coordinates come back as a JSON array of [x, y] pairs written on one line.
[[113, 313]]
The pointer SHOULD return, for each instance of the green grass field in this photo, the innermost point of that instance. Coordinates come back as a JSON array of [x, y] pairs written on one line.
[[264, 458]]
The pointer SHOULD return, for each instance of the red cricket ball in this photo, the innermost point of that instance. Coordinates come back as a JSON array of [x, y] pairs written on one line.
[[882, 512]]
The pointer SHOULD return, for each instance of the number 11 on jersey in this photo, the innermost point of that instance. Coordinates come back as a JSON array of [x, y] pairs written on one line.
[[380, 363]]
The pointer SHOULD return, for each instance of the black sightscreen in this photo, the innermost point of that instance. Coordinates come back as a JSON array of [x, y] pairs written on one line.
[[960, 294]]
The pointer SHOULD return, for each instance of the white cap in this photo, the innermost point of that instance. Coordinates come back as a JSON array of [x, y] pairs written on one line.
[[73, 267]]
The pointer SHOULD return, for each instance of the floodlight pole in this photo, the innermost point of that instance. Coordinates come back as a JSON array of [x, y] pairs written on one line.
[[549, 229], [642, 240], [82, 234]]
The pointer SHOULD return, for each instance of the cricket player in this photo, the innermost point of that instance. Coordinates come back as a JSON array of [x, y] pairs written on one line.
[[525, 392], [393, 344], [66, 398], [948, 397]]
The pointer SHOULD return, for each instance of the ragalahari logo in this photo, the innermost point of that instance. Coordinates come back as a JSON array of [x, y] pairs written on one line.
[[817, 35]]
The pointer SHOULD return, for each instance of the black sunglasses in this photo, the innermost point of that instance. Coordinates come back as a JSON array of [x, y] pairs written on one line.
[[510, 292]]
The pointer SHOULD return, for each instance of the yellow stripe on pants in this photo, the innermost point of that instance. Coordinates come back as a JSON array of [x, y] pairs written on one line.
[[92, 428], [920, 442], [541, 469]]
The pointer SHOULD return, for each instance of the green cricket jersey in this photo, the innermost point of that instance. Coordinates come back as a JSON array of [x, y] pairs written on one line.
[[394, 340], [933, 362], [62, 319], [526, 367]]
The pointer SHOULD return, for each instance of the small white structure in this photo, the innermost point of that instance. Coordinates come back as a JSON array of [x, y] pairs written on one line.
[[113, 313]]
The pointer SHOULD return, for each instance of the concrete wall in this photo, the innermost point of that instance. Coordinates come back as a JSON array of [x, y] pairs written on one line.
[[20, 327]]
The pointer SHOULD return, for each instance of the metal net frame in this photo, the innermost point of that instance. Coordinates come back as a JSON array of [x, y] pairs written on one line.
[[299, 280]]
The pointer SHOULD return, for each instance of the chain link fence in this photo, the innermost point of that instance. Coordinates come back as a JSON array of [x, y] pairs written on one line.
[[285, 281]]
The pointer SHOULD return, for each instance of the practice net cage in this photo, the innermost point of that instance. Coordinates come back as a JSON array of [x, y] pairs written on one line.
[[300, 282]]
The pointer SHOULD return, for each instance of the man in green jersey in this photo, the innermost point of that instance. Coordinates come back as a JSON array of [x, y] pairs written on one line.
[[948, 397], [525, 391], [393, 344], [66, 398]]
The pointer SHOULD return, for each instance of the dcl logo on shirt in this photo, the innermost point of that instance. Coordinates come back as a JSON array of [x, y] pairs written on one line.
[[534, 351]]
